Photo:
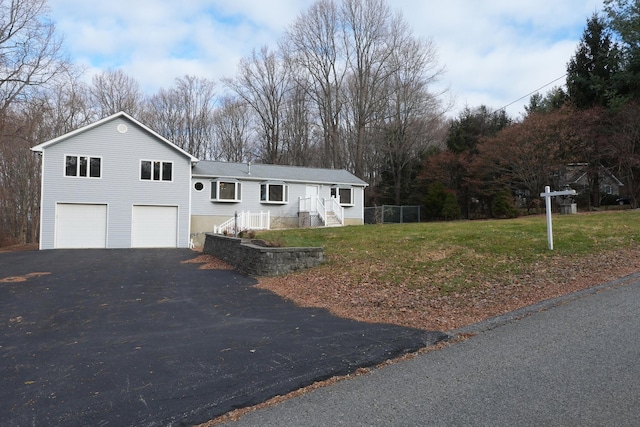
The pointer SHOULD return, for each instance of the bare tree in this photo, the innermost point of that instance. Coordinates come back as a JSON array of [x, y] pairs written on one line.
[[30, 52], [196, 97], [372, 33], [163, 114], [114, 91], [19, 179], [412, 121], [342, 53], [183, 114], [262, 83], [313, 45], [231, 128], [624, 149], [296, 128], [30, 59], [62, 106]]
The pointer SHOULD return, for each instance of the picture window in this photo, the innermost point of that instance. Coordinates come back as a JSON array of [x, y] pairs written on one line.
[[343, 194], [274, 192]]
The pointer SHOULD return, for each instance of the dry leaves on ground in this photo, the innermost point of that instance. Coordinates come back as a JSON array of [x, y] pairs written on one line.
[[209, 262], [367, 300]]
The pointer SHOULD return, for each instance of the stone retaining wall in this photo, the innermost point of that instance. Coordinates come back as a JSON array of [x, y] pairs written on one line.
[[253, 258]]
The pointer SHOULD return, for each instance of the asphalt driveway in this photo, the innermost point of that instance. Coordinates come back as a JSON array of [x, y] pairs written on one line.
[[136, 337]]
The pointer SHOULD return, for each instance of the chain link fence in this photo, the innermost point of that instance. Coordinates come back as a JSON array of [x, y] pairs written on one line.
[[387, 214]]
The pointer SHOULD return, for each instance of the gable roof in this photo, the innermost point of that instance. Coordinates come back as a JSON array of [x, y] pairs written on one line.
[[262, 172], [40, 147], [577, 172]]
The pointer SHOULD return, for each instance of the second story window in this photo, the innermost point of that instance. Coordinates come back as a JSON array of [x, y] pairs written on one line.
[[83, 166], [154, 170]]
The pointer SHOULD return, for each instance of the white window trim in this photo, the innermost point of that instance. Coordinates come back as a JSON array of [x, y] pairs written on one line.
[[77, 175], [338, 188], [237, 187], [162, 162], [285, 190]]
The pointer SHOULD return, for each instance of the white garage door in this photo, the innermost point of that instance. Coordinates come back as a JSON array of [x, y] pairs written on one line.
[[154, 227], [81, 226]]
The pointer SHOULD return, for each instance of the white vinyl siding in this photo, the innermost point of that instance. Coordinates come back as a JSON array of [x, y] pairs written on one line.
[[120, 185], [81, 226], [202, 206]]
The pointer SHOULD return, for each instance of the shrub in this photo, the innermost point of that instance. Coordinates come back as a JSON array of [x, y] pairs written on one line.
[[451, 208], [503, 206], [247, 234], [434, 201]]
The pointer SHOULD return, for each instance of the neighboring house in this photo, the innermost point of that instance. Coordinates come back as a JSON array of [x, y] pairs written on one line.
[[118, 184], [576, 176]]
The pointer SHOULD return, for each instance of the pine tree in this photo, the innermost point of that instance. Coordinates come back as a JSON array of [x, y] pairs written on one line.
[[450, 208], [434, 201], [503, 206], [592, 72]]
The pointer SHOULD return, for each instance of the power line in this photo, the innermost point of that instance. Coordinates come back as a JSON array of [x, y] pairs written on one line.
[[532, 92]]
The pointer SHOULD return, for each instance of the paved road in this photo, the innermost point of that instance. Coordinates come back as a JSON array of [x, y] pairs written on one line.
[[575, 363]]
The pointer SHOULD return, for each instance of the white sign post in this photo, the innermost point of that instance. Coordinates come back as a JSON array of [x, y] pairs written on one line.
[[548, 194]]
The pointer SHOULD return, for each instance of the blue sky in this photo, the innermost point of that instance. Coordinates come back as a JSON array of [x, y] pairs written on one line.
[[494, 51]]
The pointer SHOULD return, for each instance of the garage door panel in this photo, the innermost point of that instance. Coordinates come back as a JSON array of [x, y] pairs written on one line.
[[81, 226], [154, 227]]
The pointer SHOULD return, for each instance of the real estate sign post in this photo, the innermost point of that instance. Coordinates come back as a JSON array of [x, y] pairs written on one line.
[[548, 194]]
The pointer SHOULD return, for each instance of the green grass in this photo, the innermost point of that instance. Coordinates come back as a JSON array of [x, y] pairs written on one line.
[[455, 255]]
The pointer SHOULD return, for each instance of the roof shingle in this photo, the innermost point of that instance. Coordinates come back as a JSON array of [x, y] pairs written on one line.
[[244, 171]]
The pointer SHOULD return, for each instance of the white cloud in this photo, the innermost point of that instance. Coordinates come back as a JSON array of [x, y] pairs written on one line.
[[494, 51]]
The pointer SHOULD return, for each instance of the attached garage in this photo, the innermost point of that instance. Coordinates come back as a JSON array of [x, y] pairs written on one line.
[[114, 184], [81, 225], [154, 227]]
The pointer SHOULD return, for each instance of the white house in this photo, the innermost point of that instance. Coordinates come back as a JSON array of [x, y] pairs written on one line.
[[118, 184]]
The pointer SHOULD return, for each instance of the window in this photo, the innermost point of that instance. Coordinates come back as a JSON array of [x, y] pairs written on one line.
[[153, 170], [83, 166], [274, 192], [226, 191], [344, 195], [198, 186]]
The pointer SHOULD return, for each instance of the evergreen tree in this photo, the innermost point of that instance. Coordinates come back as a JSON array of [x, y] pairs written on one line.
[[450, 208], [552, 101], [592, 71], [503, 206], [434, 201], [623, 18], [465, 131]]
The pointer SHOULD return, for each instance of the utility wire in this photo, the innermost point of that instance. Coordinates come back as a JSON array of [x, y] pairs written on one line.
[[532, 92]]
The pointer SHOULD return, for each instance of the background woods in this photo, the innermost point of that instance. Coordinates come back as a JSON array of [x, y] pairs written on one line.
[[347, 86]]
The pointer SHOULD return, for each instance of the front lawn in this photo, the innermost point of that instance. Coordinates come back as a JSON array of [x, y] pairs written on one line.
[[447, 274]]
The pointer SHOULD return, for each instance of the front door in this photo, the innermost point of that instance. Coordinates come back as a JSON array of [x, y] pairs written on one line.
[[312, 193]]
